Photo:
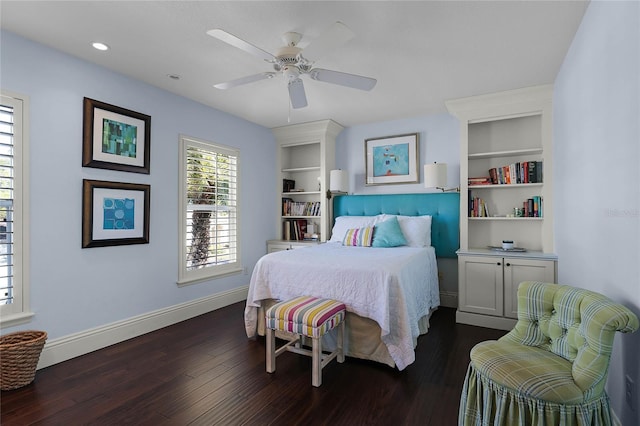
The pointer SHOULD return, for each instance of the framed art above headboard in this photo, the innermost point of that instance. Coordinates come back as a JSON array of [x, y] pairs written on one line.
[[444, 209]]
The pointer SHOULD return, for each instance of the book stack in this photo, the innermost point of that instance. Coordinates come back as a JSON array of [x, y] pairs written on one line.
[[477, 207], [484, 180], [532, 207], [523, 172], [300, 208], [294, 229]]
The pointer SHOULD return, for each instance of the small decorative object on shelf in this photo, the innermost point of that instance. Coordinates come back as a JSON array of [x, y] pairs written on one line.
[[507, 244], [288, 185]]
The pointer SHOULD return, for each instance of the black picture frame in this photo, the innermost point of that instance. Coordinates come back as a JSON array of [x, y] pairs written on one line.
[[114, 213], [115, 138]]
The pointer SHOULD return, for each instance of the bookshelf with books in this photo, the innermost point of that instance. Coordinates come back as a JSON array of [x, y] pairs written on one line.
[[306, 154], [506, 171]]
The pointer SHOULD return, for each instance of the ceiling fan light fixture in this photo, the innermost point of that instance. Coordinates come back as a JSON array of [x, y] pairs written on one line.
[[291, 38], [291, 73]]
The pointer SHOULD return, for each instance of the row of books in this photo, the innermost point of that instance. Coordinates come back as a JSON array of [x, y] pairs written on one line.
[[294, 229], [477, 207], [531, 207], [523, 172], [300, 208]]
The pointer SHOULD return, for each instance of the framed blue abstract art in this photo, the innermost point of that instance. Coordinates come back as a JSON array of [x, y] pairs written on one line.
[[114, 213], [115, 138], [392, 159]]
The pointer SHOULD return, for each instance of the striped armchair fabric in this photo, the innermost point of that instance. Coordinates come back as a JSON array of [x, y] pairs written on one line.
[[551, 369]]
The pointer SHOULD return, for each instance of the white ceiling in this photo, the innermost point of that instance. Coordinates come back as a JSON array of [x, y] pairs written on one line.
[[421, 52]]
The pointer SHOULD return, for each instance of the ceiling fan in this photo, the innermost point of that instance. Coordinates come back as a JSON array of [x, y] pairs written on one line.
[[292, 64]]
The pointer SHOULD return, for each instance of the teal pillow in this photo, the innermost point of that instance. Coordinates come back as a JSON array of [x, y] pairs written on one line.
[[388, 234]]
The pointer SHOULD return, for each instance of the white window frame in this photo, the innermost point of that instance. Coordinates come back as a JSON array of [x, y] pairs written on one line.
[[186, 276], [19, 310]]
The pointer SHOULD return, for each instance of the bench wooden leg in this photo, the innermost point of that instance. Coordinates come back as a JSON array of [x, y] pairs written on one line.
[[271, 351], [341, 342], [316, 369]]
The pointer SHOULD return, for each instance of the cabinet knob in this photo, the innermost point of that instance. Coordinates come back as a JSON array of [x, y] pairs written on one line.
[[508, 264], [498, 263]]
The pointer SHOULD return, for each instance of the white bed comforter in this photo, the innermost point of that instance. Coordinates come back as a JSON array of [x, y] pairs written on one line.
[[393, 286]]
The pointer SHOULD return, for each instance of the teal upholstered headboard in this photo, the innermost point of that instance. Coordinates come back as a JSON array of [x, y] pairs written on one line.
[[444, 208]]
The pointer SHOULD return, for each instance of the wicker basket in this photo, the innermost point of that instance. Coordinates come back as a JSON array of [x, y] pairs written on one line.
[[19, 355]]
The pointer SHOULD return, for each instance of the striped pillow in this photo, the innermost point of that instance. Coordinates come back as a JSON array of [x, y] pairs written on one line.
[[360, 237]]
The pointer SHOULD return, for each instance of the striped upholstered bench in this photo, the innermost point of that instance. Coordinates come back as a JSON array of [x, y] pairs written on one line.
[[305, 316]]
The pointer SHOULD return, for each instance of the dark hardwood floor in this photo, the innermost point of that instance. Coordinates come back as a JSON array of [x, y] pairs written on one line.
[[205, 371]]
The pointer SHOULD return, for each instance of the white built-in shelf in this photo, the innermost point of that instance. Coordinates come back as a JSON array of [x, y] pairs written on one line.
[[484, 251], [498, 130], [306, 155], [505, 186], [509, 153], [505, 218], [287, 194], [299, 217], [301, 169]]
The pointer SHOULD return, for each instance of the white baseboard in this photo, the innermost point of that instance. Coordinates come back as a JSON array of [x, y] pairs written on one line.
[[487, 321], [73, 345], [449, 299]]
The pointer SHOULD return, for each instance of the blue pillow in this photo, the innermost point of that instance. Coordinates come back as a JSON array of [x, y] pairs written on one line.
[[388, 234]]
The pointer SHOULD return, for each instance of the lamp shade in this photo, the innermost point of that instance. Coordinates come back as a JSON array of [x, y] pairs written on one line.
[[338, 181], [435, 175]]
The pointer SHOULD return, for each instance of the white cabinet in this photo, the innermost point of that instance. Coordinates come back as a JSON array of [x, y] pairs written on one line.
[[306, 155], [505, 168], [489, 284], [279, 245]]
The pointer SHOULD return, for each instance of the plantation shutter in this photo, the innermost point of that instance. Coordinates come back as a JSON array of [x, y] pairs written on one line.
[[7, 291], [211, 216]]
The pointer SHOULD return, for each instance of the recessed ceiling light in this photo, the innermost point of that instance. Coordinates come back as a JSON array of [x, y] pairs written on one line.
[[100, 46]]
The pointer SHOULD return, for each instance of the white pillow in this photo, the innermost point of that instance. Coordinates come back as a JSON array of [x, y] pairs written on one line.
[[344, 223], [416, 229]]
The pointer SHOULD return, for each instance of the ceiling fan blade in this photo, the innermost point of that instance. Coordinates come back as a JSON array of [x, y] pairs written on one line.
[[241, 44], [343, 79], [336, 35], [244, 80], [296, 94]]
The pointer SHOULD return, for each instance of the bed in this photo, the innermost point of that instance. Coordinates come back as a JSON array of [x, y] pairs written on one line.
[[390, 293]]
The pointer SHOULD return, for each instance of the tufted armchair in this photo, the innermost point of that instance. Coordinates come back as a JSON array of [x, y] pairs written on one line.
[[551, 369]]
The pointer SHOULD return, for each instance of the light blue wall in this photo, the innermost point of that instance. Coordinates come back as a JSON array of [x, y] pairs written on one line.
[[596, 160], [439, 136], [75, 289]]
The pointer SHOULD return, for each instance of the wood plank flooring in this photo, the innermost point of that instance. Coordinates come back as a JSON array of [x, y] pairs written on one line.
[[205, 371]]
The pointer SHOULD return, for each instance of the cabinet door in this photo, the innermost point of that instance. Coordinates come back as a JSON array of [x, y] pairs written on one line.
[[519, 270], [481, 285]]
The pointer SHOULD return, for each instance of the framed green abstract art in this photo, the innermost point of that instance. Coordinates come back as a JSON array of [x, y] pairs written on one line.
[[114, 213], [115, 138]]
